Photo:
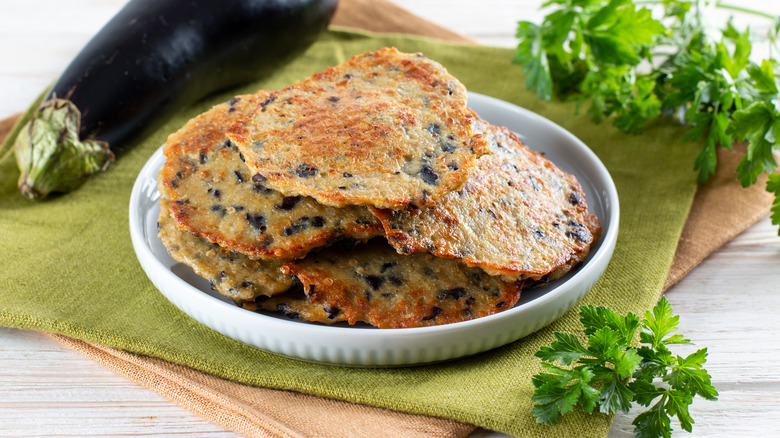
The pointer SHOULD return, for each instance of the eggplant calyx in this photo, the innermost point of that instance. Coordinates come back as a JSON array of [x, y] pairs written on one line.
[[49, 154]]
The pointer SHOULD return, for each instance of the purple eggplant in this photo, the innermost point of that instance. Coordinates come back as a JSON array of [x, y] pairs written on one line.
[[153, 57]]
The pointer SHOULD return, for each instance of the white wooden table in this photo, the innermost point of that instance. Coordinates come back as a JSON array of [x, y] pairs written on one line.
[[730, 303]]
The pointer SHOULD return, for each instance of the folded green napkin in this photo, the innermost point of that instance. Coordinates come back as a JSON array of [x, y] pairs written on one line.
[[70, 267]]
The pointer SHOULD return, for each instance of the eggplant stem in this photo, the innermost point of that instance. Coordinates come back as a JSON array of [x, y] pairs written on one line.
[[49, 154]]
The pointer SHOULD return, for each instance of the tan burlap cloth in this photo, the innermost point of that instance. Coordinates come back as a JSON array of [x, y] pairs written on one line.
[[721, 210]]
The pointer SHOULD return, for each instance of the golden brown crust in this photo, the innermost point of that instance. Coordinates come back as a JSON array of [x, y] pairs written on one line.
[[385, 128], [372, 283], [518, 216], [215, 196]]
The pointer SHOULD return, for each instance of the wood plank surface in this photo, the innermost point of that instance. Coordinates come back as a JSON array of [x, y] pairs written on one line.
[[730, 303]]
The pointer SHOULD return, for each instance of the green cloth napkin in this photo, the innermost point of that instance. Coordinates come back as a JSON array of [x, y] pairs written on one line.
[[70, 268]]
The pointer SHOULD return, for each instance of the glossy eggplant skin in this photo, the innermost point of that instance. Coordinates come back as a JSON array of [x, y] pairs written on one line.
[[156, 54]]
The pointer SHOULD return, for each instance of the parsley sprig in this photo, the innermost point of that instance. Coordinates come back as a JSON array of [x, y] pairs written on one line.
[[627, 66], [608, 373]]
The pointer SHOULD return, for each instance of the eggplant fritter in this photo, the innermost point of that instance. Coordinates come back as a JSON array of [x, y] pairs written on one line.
[[215, 196], [372, 283], [518, 216], [386, 129]]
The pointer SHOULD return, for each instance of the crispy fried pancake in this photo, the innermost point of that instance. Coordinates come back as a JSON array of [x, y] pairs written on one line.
[[372, 283], [518, 216], [386, 129], [215, 196], [234, 275]]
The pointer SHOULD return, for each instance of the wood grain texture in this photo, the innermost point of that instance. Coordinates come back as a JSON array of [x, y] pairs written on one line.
[[729, 303]]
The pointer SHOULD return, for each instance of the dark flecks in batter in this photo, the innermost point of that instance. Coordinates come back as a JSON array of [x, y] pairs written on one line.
[[301, 224], [574, 198], [434, 129], [395, 280], [434, 311], [239, 176], [448, 147], [258, 178], [474, 278], [203, 157], [257, 221], [306, 170], [317, 221], [331, 311], [580, 234], [227, 145], [534, 183], [261, 188], [334, 98], [375, 281], [266, 102], [288, 203], [428, 175], [284, 310], [362, 221], [346, 175], [386, 266], [455, 293]]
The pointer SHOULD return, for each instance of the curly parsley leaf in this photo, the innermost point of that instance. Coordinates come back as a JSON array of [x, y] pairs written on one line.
[[773, 186], [759, 125], [560, 390], [609, 373], [531, 54], [630, 68]]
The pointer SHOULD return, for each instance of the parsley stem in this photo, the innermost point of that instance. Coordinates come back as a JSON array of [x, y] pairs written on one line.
[[717, 5], [745, 10]]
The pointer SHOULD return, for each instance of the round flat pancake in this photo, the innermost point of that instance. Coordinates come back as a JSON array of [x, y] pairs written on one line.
[[386, 129], [518, 215], [372, 283], [215, 196], [232, 274]]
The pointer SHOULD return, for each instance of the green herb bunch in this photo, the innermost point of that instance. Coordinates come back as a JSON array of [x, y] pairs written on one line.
[[633, 68], [609, 373]]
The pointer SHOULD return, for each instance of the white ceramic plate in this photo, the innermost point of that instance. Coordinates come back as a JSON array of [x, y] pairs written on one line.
[[365, 346]]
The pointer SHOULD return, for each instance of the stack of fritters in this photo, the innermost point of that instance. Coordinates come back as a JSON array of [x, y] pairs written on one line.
[[367, 193]]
